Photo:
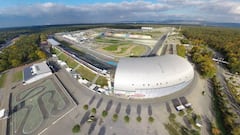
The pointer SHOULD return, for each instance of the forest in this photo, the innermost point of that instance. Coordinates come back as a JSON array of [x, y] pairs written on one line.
[[25, 50], [224, 40], [202, 57]]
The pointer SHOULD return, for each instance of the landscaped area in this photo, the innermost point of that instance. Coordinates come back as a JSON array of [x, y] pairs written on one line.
[[34, 109], [2, 79], [17, 76], [120, 47], [70, 61]]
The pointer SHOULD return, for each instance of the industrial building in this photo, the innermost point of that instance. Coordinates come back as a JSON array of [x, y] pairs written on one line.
[[150, 77], [36, 72]]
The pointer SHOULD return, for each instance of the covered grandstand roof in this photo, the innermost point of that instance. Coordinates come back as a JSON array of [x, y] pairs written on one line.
[[53, 42], [152, 72]]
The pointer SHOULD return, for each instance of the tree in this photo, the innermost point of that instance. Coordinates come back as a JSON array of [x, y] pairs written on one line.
[[41, 54], [126, 119], [150, 119], [104, 113], [94, 111], [85, 107], [76, 128], [139, 119], [115, 117]]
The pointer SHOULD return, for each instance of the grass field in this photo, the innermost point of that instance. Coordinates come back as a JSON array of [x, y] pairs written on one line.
[[2, 79], [17, 76], [70, 62], [111, 48], [56, 51], [138, 50], [102, 81], [86, 73]]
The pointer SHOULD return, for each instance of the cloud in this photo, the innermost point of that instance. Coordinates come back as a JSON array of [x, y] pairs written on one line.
[[55, 13]]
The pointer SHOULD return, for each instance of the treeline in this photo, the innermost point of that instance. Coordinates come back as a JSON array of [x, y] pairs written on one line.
[[224, 40], [226, 117], [26, 49], [203, 58], [181, 50]]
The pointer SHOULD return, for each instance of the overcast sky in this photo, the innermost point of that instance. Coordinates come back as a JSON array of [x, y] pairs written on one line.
[[45, 12]]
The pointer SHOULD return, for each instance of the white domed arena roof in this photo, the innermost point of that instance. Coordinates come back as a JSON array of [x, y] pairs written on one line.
[[143, 73]]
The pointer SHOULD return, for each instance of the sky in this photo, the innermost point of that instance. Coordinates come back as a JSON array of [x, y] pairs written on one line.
[[46, 12]]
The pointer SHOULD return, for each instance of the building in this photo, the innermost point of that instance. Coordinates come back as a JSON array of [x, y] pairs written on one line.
[[36, 72], [146, 28], [150, 77], [53, 42]]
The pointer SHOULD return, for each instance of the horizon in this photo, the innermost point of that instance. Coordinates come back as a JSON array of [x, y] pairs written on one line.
[[59, 12]]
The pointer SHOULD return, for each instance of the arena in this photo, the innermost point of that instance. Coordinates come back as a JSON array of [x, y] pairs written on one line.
[[150, 77]]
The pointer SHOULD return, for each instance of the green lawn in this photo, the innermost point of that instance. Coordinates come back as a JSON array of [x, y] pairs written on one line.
[[56, 51], [2, 79], [138, 50], [17, 76], [63, 57], [102, 81], [70, 62], [111, 48], [86, 73]]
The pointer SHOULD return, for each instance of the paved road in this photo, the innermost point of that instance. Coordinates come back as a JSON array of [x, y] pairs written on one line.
[[158, 45]]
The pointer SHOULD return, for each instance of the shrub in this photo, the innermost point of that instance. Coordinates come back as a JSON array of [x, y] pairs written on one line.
[[172, 117], [126, 119], [139, 119], [181, 113], [94, 111], [151, 119], [76, 128], [189, 110], [115, 117], [85, 107], [104, 113]]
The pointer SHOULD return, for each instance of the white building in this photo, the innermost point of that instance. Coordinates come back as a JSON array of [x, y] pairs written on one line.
[[150, 77], [146, 28], [53, 42], [36, 72]]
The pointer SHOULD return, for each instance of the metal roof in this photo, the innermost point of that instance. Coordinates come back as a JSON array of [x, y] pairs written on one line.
[[35, 69], [152, 72], [53, 42]]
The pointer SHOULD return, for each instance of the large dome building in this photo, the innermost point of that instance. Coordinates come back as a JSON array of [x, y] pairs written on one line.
[[150, 77]]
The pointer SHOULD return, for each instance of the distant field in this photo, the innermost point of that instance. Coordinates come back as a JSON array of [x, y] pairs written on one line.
[[138, 50], [111, 48], [153, 34], [2, 79], [17, 76], [112, 41]]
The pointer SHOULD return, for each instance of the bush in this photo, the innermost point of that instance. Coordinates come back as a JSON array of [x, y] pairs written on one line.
[[181, 113], [115, 117], [172, 117], [126, 119], [139, 119], [189, 110], [94, 111], [76, 128], [150, 119], [104, 113], [85, 107]]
